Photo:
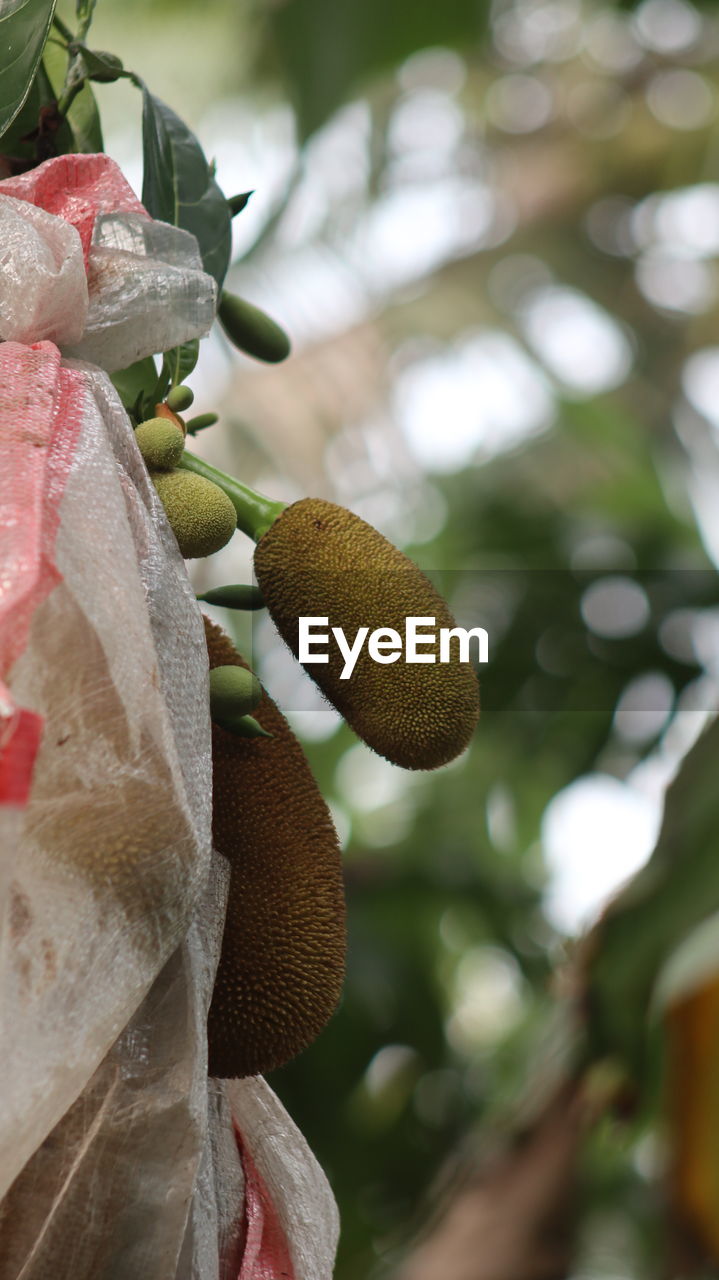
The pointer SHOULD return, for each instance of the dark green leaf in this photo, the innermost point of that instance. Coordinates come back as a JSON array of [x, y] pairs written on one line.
[[23, 32], [37, 131], [178, 186], [178, 363], [330, 49]]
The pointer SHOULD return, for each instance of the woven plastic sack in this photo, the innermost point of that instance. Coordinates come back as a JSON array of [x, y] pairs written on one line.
[[117, 1157]]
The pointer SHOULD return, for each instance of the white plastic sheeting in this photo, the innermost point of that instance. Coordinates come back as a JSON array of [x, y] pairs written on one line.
[[117, 1157]]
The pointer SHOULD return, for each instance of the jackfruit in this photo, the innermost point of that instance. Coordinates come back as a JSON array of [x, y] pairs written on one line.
[[201, 516], [251, 330], [179, 398], [133, 845], [320, 560], [160, 443], [234, 692], [282, 962]]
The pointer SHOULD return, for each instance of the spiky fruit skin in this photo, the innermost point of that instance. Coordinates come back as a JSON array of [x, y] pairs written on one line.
[[320, 560], [201, 516], [160, 442], [283, 948]]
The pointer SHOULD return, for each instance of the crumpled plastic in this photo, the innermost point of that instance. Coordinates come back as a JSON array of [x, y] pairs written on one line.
[[117, 1155], [104, 281]]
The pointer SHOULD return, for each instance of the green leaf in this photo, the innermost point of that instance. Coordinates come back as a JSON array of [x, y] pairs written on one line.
[[24, 25], [676, 890], [138, 380], [178, 363], [178, 186], [84, 120], [330, 49], [37, 132]]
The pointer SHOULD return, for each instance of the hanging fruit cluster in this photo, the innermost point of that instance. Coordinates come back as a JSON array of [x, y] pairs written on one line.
[[280, 973]]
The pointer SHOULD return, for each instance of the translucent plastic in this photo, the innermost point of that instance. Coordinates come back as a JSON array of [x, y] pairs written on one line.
[[117, 1156], [103, 281]]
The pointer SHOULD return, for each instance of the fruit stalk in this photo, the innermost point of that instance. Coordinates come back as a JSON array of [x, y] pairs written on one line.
[[255, 513]]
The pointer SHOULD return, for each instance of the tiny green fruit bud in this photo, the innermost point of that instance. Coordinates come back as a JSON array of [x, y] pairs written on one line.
[[179, 398], [160, 443], [234, 692], [102, 66], [243, 727], [237, 203], [200, 515], [201, 421], [235, 596], [251, 330]]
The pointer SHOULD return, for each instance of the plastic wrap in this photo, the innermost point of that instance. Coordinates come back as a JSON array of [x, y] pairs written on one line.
[[103, 281], [117, 1156]]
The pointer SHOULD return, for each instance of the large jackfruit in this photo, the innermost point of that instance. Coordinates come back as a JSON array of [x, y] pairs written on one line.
[[320, 560], [283, 948]]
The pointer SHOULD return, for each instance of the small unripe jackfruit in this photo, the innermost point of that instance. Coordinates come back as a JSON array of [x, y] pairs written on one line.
[[251, 330], [320, 560], [160, 443], [234, 692], [282, 963], [179, 398], [201, 516]]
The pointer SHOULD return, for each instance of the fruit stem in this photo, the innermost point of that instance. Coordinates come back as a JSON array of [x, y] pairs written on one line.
[[255, 513]]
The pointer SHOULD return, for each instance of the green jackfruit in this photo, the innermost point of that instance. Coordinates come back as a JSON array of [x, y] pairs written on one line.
[[179, 398], [233, 693], [320, 560], [201, 516], [282, 963], [251, 330], [160, 443]]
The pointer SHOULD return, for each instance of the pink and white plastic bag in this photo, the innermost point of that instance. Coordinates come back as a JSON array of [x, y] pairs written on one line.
[[117, 1156]]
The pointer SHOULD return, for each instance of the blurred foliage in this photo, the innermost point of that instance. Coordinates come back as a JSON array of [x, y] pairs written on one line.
[[417, 1064], [328, 50]]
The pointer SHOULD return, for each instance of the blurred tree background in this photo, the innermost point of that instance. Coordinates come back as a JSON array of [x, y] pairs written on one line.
[[492, 232]]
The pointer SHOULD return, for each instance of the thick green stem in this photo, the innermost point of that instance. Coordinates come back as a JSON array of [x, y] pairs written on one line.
[[255, 513]]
